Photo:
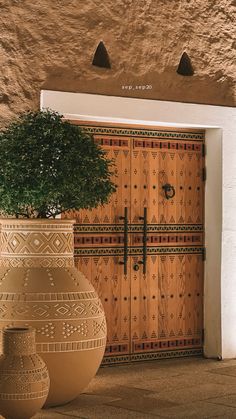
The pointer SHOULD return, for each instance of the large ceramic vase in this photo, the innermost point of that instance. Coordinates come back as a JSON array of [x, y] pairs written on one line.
[[24, 379], [40, 287]]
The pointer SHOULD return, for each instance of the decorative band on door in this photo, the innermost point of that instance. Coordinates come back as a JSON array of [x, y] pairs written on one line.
[[152, 356], [118, 251]]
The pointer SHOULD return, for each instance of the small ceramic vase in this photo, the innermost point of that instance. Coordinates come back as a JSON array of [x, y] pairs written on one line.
[[24, 379]]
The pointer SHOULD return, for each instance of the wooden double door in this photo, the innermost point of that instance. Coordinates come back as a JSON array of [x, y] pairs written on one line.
[[144, 251]]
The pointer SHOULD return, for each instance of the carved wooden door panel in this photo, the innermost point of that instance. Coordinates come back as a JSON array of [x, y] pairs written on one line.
[[167, 210], [99, 247], [153, 304]]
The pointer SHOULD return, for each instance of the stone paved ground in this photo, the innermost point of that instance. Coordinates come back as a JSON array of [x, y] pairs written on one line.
[[177, 388]]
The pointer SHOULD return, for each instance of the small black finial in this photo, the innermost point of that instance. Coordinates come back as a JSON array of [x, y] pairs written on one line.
[[185, 67], [101, 57]]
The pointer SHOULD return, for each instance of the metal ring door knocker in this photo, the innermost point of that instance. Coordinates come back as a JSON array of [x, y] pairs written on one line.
[[169, 191]]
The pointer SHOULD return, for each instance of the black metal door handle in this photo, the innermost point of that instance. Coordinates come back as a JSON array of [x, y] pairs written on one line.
[[125, 260], [144, 261], [169, 191]]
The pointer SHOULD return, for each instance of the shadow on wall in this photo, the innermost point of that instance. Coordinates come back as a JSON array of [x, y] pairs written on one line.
[[168, 86]]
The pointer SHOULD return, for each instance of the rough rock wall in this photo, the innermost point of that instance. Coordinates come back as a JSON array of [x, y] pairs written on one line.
[[50, 44]]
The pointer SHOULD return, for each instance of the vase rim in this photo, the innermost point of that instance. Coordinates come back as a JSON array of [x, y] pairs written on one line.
[[19, 329], [36, 221]]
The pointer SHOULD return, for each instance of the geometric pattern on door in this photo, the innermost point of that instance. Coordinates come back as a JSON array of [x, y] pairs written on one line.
[[144, 250]]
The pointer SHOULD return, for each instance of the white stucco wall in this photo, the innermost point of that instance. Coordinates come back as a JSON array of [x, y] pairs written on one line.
[[220, 208]]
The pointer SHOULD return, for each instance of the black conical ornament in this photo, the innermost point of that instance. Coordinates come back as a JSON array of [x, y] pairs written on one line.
[[101, 57], [185, 67]]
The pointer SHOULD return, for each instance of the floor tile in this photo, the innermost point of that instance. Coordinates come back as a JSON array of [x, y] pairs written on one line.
[[119, 391], [143, 404], [231, 371], [228, 400], [195, 393], [129, 373], [86, 400], [110, 412], [198, 410], [183, 381]]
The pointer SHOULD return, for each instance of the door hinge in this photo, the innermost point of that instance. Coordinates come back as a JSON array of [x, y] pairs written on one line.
[[204, 254], [203, 150], [204, 175]]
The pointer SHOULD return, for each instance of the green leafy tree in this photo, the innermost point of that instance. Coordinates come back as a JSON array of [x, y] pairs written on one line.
[[48, 166]]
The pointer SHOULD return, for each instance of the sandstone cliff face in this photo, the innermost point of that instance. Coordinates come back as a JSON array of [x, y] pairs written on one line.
[[50, 45]]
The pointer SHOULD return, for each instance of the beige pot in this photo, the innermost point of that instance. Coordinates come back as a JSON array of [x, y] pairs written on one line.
[[24, 379], [40, 287]]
